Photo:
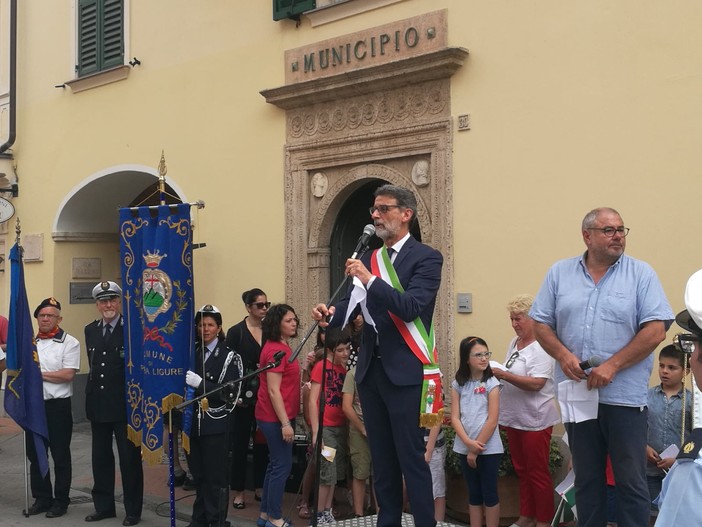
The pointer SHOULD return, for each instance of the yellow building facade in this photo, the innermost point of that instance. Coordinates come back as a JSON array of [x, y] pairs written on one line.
[[509, 120]]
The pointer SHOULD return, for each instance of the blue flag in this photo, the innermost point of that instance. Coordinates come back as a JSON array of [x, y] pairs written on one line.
[[159, 333], [24, 390]]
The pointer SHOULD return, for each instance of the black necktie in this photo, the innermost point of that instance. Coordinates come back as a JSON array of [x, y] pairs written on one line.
[[108, 332], [391, 251]]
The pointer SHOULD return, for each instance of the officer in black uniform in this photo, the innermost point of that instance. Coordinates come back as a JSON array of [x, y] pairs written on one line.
[[106, 408], [215, 365]]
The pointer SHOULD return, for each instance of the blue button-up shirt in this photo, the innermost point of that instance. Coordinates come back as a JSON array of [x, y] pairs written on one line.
[[665, 421], [600, 319]]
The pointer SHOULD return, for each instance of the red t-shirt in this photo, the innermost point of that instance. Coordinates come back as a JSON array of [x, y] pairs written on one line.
[[333, 412], [289, 385]]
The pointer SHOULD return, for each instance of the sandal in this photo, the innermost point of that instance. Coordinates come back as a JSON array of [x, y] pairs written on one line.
[[239, 504], [303, 511]]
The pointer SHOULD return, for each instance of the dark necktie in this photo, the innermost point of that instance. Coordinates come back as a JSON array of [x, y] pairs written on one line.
[[108, 332], [391, 251]]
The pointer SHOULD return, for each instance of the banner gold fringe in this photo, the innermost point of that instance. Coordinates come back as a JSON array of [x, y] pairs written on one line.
[[152, 458], [134, 436], [185, 441], [431, 420], [170, 401]]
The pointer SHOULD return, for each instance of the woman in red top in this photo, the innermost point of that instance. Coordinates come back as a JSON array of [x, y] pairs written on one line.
[[277, 406]]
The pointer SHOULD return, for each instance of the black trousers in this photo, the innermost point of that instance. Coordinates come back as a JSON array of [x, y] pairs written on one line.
[[243, 427], [207, 463], [130, 468], [59, 420]]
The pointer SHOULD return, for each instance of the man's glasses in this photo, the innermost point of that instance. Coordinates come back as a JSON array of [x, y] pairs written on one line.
[[260, 305], [511, 360], [609, 231], [383, 209], [483, 355], [46, 315]]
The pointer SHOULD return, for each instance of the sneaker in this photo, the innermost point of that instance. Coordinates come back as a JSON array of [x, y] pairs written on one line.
[[322, 519], [329, 516]]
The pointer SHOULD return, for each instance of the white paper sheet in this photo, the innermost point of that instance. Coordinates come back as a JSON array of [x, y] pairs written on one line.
[[496, 365], [578, 404], [670, 452]]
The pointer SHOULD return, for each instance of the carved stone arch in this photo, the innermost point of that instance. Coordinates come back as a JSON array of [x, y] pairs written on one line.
[[323, 222]]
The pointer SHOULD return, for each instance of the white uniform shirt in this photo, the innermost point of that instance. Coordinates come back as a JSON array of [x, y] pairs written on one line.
[[56, 354]]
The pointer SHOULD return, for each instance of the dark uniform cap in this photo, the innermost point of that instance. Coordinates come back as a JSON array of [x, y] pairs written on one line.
[[47, 302], [685, 321], [106, 290]]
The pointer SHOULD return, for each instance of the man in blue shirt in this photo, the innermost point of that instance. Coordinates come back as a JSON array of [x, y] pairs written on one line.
[[608, 305]]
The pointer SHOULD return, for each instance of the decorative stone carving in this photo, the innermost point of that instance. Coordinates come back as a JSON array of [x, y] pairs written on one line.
[[420, 173], [319, 185]]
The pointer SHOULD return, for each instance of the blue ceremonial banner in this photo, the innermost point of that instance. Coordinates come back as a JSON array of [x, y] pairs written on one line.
[[157, 277], [24, 390]]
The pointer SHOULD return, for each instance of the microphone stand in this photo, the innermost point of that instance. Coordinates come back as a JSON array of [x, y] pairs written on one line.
[[322, 398], [230, 402]]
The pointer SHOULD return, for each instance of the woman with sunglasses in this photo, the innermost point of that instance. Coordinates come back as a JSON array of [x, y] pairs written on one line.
[[246, 338], [277, 406], [527, 414]]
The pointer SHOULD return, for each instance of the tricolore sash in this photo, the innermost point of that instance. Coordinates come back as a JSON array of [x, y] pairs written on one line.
[[421, 342]]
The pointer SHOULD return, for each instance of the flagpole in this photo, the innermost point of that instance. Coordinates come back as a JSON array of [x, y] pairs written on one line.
[[26, 475], [25, 511]]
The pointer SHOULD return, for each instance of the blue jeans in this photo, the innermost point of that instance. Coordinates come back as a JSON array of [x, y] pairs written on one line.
[[279, 467], [621, 432]]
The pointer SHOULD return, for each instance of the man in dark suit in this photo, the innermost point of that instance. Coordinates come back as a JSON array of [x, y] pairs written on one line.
[[106, 408], [388, 373]]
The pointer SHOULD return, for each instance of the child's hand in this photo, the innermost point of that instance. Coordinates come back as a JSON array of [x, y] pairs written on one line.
[[476, 446], [665, 464], [652, 456], [472, 459]]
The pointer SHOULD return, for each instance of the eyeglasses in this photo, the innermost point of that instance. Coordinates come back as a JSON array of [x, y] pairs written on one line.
[[110, 300], [46, 315], [483, 355], [609, 231], [260, 305], [383, 209], [512, 359]]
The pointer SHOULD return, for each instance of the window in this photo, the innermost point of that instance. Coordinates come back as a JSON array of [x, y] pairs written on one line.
[[291, 8], [100, 35]]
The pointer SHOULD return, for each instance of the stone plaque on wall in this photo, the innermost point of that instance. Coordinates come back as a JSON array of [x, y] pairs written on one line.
[[86, 268]]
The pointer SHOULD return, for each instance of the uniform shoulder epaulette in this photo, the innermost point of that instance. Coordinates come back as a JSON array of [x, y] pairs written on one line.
[[691, 448]]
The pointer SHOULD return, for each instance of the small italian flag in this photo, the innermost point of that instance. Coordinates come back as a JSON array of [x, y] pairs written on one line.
[[566, 511]]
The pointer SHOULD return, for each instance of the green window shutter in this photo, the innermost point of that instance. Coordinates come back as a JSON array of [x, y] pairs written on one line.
[[100, 35], [113, 34], [87, 37], [291, 8]]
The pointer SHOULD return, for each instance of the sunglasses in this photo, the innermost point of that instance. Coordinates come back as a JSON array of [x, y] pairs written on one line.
[[511, 360], [260, 305]]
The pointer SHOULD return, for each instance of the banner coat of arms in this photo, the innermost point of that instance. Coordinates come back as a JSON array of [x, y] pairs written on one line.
[[157, 275]]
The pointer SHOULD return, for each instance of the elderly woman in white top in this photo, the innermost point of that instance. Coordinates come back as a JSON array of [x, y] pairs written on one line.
[[528, 412]]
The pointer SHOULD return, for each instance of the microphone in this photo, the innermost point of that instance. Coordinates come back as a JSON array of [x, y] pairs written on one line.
[[368, 232], [592, 362], [277, 357]]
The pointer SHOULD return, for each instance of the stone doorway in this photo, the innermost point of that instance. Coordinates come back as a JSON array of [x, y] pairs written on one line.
[[340, 146]]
